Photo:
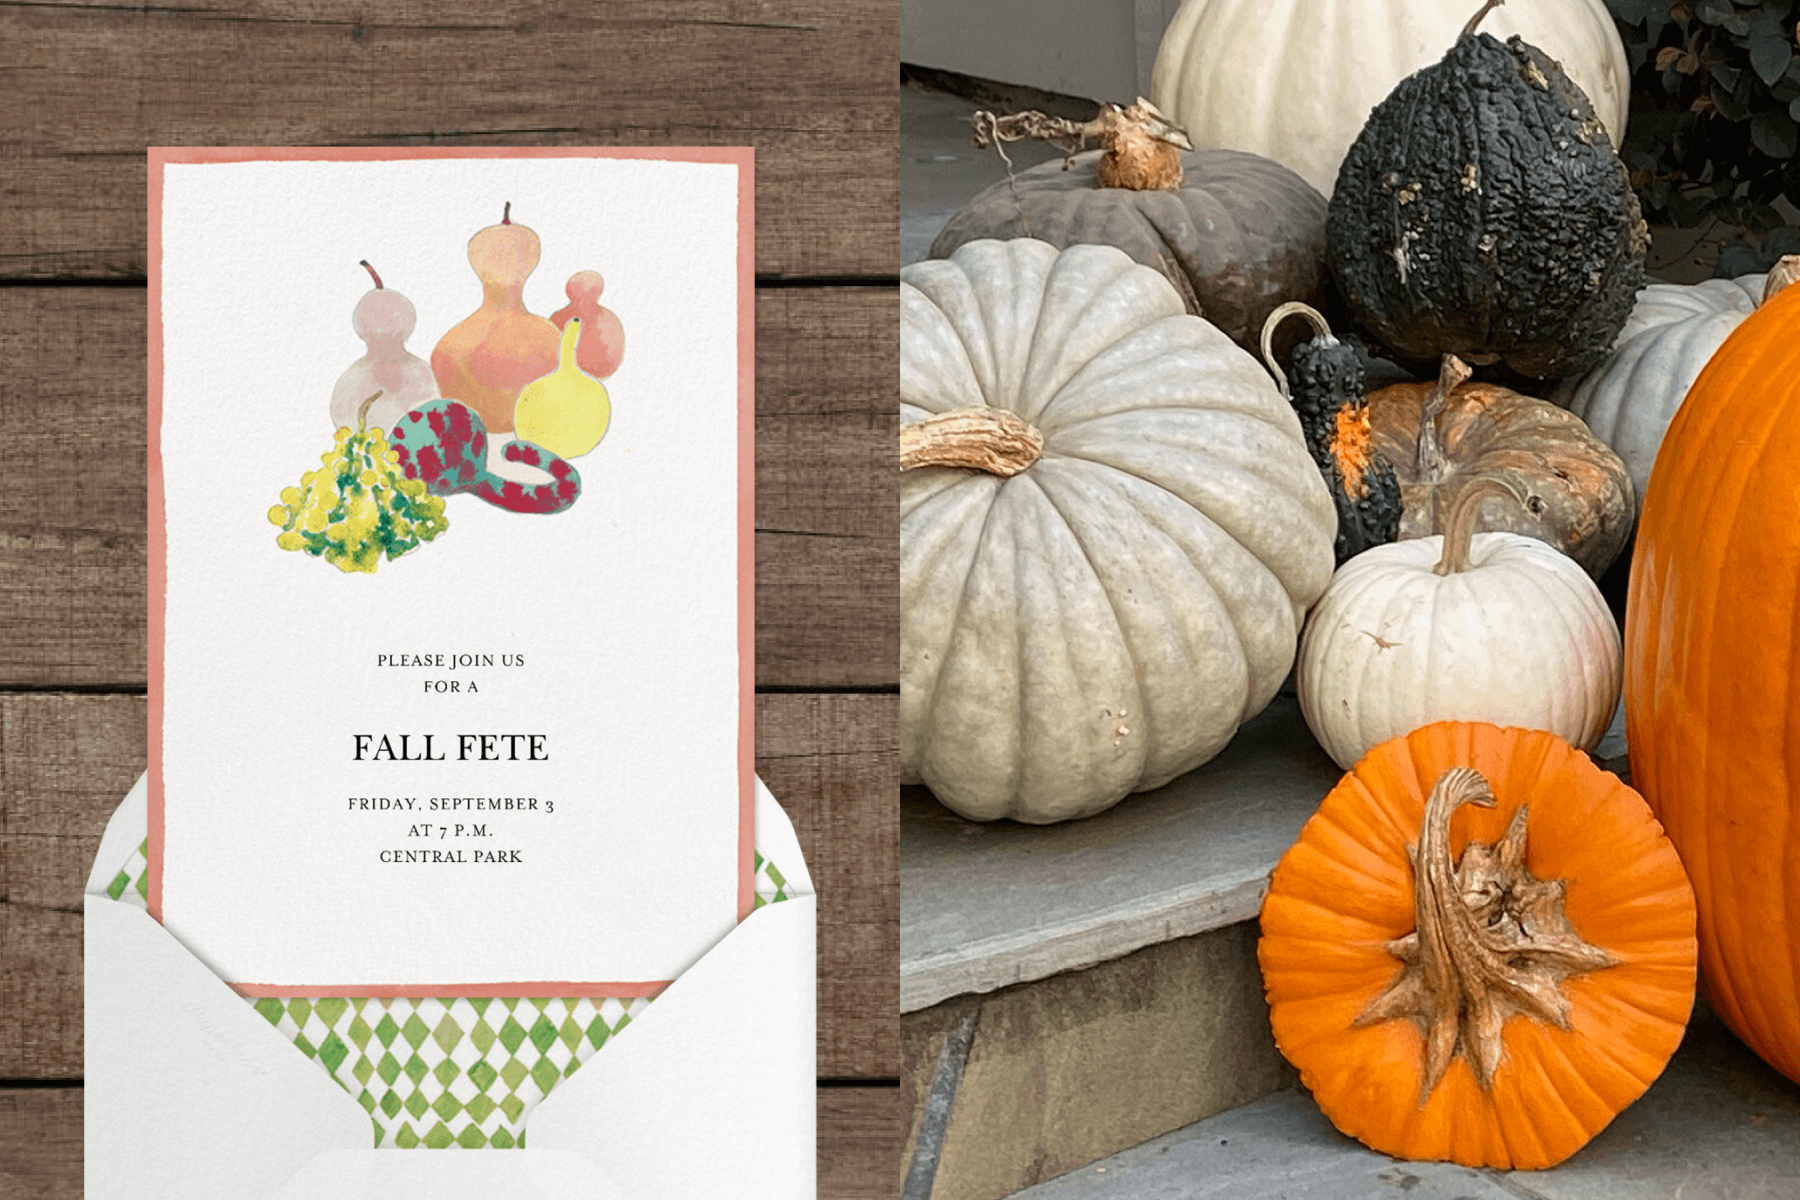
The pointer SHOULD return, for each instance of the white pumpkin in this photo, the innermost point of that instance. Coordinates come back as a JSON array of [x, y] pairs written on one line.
[[1294, 80], [1102, 614], [1500, 628], [1629, 399]]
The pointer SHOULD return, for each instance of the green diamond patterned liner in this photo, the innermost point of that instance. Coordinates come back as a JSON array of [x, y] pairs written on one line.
[[439, 1073]]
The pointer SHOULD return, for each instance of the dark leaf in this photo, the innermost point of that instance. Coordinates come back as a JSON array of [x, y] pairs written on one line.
[[1632, 12], [1714, 12], [1770, 56], [1779, 242], [1738, 24], [1687, 210], [1775, 133], [1794, 108], [1760, 218], [1728, 75], [1733, 106], [1738, 259]]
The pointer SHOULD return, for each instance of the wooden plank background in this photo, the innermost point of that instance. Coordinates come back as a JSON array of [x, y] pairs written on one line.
[[85, 87]]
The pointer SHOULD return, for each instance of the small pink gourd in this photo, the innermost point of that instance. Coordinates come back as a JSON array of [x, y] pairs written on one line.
[[384, 319], [602, 343]]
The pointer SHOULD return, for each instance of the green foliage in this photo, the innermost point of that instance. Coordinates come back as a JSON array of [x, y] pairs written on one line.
[[1724, 142]]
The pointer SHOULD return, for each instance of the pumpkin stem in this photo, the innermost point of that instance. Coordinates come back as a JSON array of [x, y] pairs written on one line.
[[1321, 331], [1475, 20], [1784, 272], [1451, 374], [982, 439], [362, 412], [1143, 147], [1459, 530], [1490, 941]]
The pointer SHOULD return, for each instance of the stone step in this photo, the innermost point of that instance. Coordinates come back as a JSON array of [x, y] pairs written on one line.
[[1719, 1125]]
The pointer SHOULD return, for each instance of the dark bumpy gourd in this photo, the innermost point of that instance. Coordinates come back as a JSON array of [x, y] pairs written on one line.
[[444, 443], [1483, 213], [1240, 236], [1328, 388]]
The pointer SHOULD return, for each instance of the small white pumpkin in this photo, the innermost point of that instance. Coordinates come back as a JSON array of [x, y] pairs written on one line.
[[1492, 627], [1110, 531], [1629, 399], [1294, 80]]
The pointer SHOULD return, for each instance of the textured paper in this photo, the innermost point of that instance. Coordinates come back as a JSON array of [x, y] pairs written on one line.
[[624, 612]]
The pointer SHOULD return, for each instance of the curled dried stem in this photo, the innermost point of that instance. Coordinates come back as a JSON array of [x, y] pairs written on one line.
[[1490, 941], [1321, 330], [1452, 373], [1142, 146], [980, 439], [1475, 20], [1459, 531], [1785, 272]]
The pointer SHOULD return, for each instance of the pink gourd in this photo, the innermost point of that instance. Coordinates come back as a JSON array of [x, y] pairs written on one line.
[[602, 343]]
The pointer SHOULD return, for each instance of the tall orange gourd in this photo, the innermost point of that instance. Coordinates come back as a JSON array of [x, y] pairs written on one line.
[[1712, 670], [487, 358]]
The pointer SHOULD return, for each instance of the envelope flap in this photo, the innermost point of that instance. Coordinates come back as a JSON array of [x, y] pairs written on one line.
[[777, 843], [171, 1053], [713, 1090], [125, 831]]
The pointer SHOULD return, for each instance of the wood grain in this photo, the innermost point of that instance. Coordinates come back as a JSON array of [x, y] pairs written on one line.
[[91, 85], [72, 416], [40, 1136], [833, 761]]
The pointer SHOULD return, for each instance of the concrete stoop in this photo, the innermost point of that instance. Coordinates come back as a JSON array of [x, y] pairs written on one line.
[[1719, 1125]]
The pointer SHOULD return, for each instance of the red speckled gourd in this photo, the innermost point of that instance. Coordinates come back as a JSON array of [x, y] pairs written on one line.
[[445, 443]]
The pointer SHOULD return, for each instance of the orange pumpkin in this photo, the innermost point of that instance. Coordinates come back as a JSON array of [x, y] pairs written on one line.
[[1712, 690], [1536, 981]]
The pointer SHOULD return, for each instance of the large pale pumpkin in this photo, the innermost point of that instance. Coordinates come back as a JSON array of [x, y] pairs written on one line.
[[1630, 398], [1294, 80], [1110, 531], [1481, 948], [1712, 670], [1493, 627]]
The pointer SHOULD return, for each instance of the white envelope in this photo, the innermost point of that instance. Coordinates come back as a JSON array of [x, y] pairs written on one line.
[[710, 1093]]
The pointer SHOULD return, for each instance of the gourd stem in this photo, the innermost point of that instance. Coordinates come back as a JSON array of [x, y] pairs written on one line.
[[1475, 20], [1490, 941], [1459, 530], [506, 214], [1451, 374], [982, 439], [1291, 308], [362, 413], [1784, 273], [1141, 144], [372, 275]]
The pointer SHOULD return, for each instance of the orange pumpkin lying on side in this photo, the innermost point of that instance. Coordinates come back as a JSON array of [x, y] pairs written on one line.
[[1533, 983]]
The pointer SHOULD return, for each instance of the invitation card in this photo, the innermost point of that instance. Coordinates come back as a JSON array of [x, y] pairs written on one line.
[[451, 567]]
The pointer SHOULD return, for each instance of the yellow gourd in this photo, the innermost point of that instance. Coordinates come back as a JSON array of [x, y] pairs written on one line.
[[566, 412]]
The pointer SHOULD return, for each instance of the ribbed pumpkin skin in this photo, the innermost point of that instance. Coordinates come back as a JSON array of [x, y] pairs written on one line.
[[1294, 80], [1241, 236], [1105, 620], [1345, 888], [1712, 681], [1482, 213], [1521, 637], [1579, 494], [1629, 399]]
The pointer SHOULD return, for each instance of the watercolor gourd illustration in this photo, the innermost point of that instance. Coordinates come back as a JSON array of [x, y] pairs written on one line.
[[566, 411], [357, 506], [410, 433], [384, 319], [602, 345], [443, 445], [488, 358]]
